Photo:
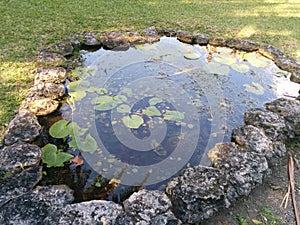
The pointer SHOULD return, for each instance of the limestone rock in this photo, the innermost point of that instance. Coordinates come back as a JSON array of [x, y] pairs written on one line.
[[151, 34], [289, 109], [243, 44], [221, 42], [135, 38], [50, 58], [252, 139], [147, 207], [47, 90], [114, 41], [39, 107], [295, 76], [51, 75], [273, 124], [201, 39], [18, 184], [270, 52], [34, 207], [185, 36], [287, 63], [86, 213], [90, 40], [18, 156], [168, 32], [24, 127]]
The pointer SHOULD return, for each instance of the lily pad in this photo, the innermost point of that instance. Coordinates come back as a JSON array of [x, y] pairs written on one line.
[[78, 85], [241, 68], [133, 121], [254, 88], [77, 95], [123, 108], [216, 68], [225, 60], [257, 60], [155, 100], [53, 157], [151, 111], [89, 144], [192, 55], [59, 129], [107, 102], [173, 115]]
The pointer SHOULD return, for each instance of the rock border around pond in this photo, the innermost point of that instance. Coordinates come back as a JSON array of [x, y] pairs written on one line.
[[198, 192]]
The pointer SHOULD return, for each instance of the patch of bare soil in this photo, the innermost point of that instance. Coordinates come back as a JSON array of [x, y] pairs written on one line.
[[263, 205]]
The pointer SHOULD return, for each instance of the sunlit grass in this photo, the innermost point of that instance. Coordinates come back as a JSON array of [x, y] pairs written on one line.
[[27, 26]]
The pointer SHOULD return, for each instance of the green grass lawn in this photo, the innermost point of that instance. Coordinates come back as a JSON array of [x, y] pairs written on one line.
[[29, 25]]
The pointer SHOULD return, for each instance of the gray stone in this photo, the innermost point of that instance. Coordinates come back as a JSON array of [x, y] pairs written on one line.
[[289, 109], [24, 127], [150, 34], [51, 75], [17, 184], [114, 41], [34, 207], [39, 107], [198, 192], [168, 32], [201, 39], [253, 139], [18, 156], [50, 58], [221, 42], [295, 76], [243, 44], [90, 40], [287, 63], [147, 207], [64, 49], [273, 124], [135, 38], [270, 52], [185, 36], [47, 90], [86, 213]]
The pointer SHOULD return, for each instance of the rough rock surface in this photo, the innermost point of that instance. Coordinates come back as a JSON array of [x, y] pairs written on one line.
[[51, 75], [34, 207], [147, 207], [185, 36], [86, 213], [114, 41], [253, 139], [243, 44], [151, 34], [169, 32], [20, 155], [273, 124], [135, 38], [24, 127], [89, 40], [53, 59], [18, 184], [295, 76], [201, 39], [47, 90], [221, 42], [39, 107], [64, 49]]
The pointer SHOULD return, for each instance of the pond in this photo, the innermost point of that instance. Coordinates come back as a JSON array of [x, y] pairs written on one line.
[[137, 117]]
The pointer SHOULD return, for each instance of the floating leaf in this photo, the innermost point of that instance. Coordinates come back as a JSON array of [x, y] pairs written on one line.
[[53, 157], [78, 85], [192, 55], [77, 95], [151, 111], [241, 68], [102, 91], [256, 60], [75, 129], [216, 68], [107, 102], [89, 144], [133, 121], [225, 60], [254, 88], [173, 115], [155, 100], [59, 129], [123, 108]]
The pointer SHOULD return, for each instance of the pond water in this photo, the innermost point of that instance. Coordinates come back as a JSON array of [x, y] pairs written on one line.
[[142, 115]]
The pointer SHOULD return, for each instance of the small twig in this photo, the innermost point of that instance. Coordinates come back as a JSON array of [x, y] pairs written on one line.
[[292, 185], [285, 199]]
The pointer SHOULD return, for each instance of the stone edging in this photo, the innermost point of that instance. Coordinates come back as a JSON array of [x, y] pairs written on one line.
[[191, 197]]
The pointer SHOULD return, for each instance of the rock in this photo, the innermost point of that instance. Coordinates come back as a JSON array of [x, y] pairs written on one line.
[[86, 213], [185, 36], [221, 42], [198, 192], [34, 207], [90, 40], [135, 38], [270, 52], [220, 150], [287, 63], [243, 44], [17, 184], [295, 76], [18, 156], [24, 127], [252, 139], [47, 90], [51, 59], [273, 124], [147, 207], [51, 75], [39, 107], [290, 110], [114, 41], [64, 49], [151, 34], [201, 39], [168, 32]]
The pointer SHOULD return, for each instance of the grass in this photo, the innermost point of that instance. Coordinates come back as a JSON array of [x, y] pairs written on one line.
[[28, 26]]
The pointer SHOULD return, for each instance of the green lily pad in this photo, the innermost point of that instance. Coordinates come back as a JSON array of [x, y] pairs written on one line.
[[102, 91], [107, 102], [59, 129], [254, 88], [133, 121], [216, 68], [151, 111], [78, 85], [155, 100], [75, 129], [192, 55], [123, 108], [225, 60], [257, 60], [77, 95], [53, 157], [89, 144], [241, 68], [173, 115]]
